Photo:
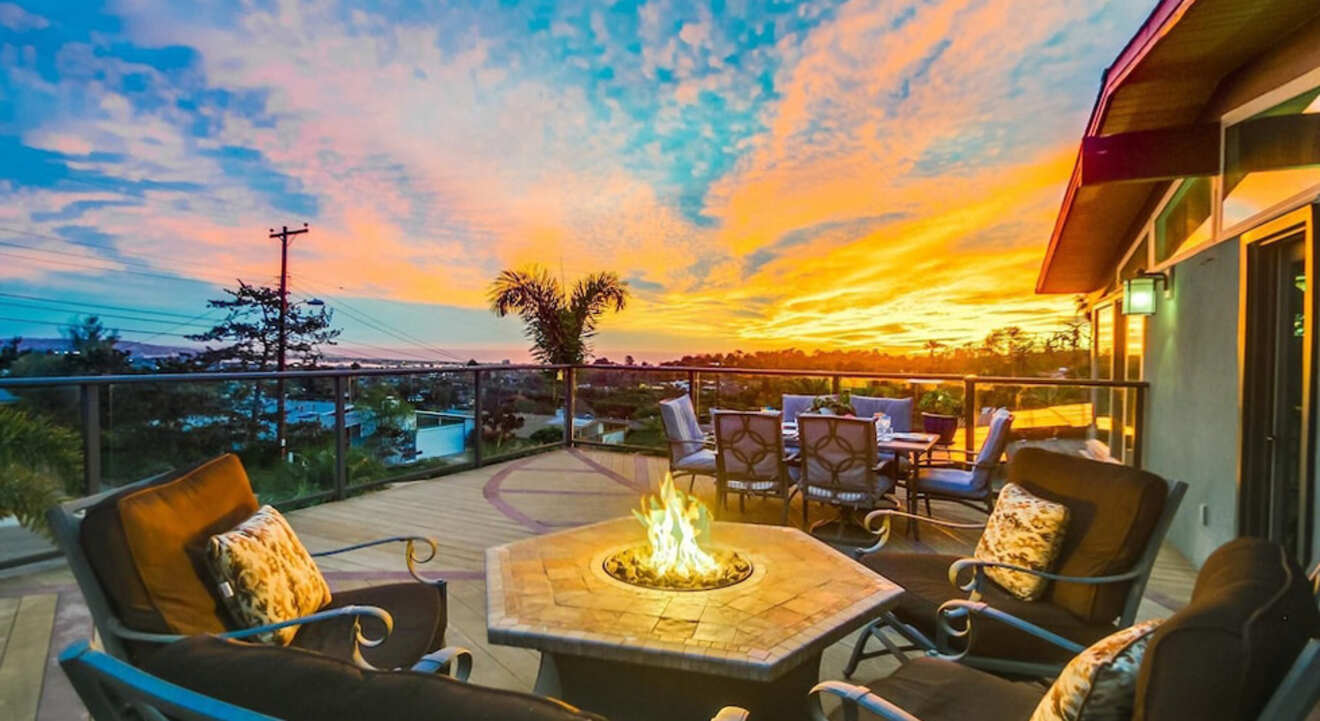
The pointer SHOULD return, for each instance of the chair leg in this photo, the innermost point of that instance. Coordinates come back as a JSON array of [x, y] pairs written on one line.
[[860, 648], [928, 512], [742, 503], [787, 499], [804, 511], [692, 483]]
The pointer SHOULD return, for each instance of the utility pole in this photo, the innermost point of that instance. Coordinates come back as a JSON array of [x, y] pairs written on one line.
[[284, 236]]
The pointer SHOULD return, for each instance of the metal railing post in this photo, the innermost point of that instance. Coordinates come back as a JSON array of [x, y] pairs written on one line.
[[835, 384], [1138, 425], [341, 437], [969, 412], [476, 413], [694, 379], [90, 400], [570, 400]]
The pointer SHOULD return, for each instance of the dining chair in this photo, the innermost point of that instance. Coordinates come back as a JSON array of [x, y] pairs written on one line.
[[839, 466], [967, 483], [749, 458], [688, 453], [899, 410], [796, 405]]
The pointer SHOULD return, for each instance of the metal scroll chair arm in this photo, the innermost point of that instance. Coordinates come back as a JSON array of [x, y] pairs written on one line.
[[455, 661], [410, 554], [977, 580], [852, 698], [360, 639], [951, 613], [882, 533]]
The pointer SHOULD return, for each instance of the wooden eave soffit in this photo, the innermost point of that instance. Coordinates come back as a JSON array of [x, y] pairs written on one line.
[[1268, 143]]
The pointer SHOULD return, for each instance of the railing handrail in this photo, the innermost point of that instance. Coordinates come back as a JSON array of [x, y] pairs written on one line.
[[221, 376]]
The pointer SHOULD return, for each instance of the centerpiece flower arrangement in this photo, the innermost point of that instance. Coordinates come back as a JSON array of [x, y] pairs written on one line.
[[836, 405]]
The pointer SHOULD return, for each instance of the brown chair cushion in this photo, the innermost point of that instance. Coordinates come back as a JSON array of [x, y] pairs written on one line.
[[164, 525], [937, 690], [1223, 655], [925, 581], [295, 685], [1114, 510], [419, 625], [101, 535]]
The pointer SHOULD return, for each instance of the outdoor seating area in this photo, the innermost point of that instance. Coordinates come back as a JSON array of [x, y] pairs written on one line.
[[806, 615]]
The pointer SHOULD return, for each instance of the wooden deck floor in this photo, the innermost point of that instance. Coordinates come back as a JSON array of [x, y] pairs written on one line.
[[41, 610]]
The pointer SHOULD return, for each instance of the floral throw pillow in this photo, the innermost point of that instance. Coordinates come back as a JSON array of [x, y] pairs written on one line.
[[1022, 531], [1100, 683], [265, 575]]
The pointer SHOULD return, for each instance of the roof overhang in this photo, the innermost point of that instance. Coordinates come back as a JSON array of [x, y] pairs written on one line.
[[1148, 126]]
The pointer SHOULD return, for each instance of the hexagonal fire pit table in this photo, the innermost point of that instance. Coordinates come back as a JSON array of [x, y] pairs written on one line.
[[630, 652]]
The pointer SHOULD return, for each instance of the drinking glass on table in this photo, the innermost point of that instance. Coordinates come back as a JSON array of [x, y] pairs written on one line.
[[884, 427]]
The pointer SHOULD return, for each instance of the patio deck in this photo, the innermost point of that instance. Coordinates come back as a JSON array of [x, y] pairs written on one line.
[[41, 609]]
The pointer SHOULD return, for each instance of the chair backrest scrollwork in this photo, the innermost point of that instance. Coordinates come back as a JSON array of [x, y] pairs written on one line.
[[749, 446]]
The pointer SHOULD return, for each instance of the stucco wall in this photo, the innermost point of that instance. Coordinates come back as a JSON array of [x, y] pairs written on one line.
[[1192, 416]]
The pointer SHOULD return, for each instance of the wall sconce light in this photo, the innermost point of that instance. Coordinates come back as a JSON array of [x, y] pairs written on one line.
[[1139, 292]]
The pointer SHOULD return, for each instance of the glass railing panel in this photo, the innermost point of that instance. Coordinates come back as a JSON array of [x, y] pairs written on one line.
[[751, 392], [1060, 418], [520, 410], [621, 406], [408, 426]]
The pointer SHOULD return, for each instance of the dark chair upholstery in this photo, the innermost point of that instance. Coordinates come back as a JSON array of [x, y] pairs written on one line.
[[294, 685], [1252, 611], [932, 689], [925, 581], [1245, 648], [1118, 517], [419, 625]]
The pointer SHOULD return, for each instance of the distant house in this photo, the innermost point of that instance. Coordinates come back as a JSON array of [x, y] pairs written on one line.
[[1189, 224]]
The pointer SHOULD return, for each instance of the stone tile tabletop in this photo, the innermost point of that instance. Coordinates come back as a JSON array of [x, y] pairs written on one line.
[[551, 593]]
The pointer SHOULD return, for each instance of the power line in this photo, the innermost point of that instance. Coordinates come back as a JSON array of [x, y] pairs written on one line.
[[136, 319], [107, 306], [388, 329], [147, 274], [153, 333], [428, 354]]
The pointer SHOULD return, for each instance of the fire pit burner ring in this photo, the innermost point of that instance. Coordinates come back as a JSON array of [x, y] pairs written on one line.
[[631, 566]]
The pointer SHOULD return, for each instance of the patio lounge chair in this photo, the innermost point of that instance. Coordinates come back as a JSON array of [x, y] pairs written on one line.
[[966, 483], [839, 466], [1244, 649], [205, 678], [153, 592], [749, 454], [1118, 518], [688, 454]]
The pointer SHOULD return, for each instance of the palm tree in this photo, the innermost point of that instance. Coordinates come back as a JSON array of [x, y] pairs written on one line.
[[559, 325]]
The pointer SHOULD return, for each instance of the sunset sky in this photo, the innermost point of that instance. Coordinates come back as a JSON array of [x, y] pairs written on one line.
[[764, 174]]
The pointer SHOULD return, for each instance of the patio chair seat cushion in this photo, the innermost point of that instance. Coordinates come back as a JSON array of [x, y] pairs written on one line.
[[937, 690], [1113, 511], [293, 685], [752, 485], [925, 581], [1223, 655], [950, 482], [419, 625], [165, 528], [703, 461]]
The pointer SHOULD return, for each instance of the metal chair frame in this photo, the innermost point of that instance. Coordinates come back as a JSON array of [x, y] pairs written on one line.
[[1293, 700], [675, 455], [65, 521], [874, 492], [954, 618], [784, 487]]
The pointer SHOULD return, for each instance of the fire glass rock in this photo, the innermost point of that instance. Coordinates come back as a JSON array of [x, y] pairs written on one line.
[[631, 565]]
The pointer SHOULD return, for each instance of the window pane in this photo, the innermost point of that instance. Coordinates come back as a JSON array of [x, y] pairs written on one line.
[[1185, 221], [1284, 149]]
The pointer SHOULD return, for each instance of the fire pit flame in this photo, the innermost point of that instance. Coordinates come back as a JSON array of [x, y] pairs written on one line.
[[677, 525]]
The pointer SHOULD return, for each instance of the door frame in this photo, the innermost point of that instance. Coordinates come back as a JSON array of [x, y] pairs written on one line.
[[1301, 220]]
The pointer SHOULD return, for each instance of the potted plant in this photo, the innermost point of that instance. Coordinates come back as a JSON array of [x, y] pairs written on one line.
[[840, 405], [939, 414]]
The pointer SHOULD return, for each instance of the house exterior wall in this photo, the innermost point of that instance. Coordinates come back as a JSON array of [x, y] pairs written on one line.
[[1192, 421]]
